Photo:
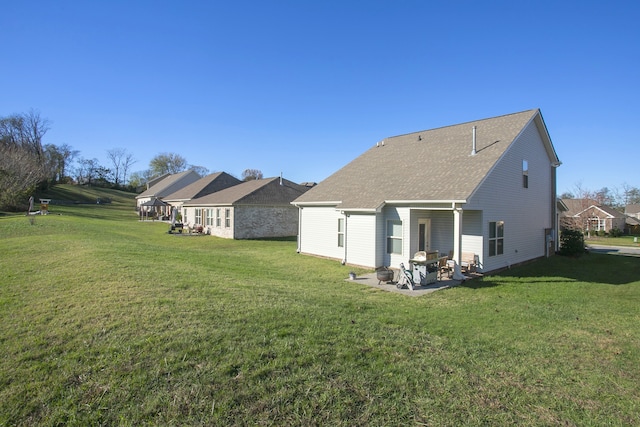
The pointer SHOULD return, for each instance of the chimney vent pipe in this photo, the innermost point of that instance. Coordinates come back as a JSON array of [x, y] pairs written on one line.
[[473, 150]]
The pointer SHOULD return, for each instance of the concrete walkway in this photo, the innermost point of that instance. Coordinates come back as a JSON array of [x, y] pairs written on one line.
[[371, 280]]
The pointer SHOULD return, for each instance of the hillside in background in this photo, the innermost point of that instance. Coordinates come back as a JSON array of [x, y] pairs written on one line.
[[64, 194]]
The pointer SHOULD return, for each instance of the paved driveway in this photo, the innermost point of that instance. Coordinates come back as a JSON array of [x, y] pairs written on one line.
[[615, 250]]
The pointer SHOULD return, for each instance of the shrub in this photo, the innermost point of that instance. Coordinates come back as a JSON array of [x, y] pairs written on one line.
[[571, 242], [615, 232]]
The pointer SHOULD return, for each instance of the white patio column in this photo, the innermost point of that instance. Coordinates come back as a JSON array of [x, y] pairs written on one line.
[[457, 235]]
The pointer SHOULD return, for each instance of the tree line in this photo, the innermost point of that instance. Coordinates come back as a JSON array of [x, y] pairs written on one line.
[[27, 165], [616, 198]]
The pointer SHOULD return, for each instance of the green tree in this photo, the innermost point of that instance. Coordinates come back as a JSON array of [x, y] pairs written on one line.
[[165, 163]]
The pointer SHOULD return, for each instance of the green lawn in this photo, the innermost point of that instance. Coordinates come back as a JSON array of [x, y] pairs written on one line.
[[632, 241], [105, 320]]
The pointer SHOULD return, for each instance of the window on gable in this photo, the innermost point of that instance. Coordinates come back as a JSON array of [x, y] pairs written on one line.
[[394, 237], [496, 238], [341, 232], [525, 174]]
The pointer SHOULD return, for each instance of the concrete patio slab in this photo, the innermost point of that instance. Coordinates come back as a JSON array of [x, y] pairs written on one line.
[[371, 280]]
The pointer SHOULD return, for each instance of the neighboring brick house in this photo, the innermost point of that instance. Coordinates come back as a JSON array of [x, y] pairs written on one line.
[[202, 187], [589, 216], [165, 186], [250, 210], [633, 218], [632, 210]]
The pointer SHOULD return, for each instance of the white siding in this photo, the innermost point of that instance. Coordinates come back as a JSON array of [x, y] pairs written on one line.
[[526, 212], [319, 232], [441, 230], [403, 214], [361, 239], [472, 239], [380, 242]]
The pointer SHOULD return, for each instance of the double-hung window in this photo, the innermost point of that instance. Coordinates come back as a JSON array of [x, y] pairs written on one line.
[[341, 232], [198, 216], [394, 237], [525, 174], [218, 219], [227, 218], [496, 238], [209, 217]]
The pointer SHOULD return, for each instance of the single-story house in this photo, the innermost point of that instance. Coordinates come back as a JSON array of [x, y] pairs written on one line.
[[170, 184], [632, 225], [632, 210], [254, 209], [486, 188], [202, 187], [588, 216]]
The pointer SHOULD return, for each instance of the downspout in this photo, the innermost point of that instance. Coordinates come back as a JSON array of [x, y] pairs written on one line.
[[344, 260], [554, 208], [299, 229]]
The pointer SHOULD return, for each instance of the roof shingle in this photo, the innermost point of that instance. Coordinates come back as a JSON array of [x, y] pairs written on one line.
[[431, 165]]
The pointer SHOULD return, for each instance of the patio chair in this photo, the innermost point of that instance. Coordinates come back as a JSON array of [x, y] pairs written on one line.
[[444, 267], [469, 261]]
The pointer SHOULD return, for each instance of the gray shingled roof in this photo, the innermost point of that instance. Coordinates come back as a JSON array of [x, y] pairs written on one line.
[[431, 165], [160, 188], [206, 185], [256, 192], [578, 206], [632, 209], [575, 206]]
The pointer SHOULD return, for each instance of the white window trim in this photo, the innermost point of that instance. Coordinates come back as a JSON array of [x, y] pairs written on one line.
[[493, 226], [341, 232], [390, 236]]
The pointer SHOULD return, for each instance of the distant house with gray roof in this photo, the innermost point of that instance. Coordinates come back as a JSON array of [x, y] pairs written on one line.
[[204, 186], [250, 210], [632, 210], [486, 187], [168, 185]]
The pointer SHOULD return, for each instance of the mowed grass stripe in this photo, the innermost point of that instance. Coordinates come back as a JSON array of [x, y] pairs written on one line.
[[108, 320]]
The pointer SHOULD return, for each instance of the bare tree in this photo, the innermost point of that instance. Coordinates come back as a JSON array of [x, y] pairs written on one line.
[[629, 195], [200, 170], [121, 162], [251, 174], [90, 171], [22, 160], [20, 172]]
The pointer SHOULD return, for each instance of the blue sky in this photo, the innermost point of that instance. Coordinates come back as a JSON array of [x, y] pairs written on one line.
[[303, 87]]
